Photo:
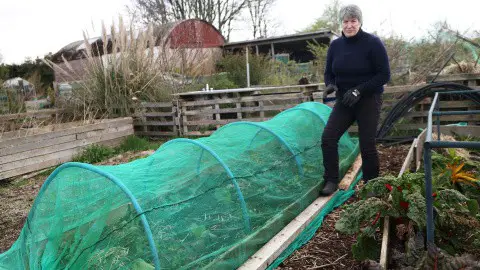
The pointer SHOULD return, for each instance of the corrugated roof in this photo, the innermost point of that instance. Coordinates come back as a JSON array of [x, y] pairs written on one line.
[[280, 39]]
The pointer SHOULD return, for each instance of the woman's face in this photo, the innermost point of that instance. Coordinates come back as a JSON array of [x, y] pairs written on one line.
[[350, 26]]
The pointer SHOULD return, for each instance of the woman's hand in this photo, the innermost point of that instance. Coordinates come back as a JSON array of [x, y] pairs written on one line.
[[330, 89], [351, 97]]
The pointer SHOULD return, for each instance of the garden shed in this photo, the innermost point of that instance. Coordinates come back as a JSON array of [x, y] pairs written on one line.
[[294, 46]]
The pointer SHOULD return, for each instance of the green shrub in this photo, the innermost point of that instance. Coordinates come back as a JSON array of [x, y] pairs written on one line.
[[235, 66], [221, 81]]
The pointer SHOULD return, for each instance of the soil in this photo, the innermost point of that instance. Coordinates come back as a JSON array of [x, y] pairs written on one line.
[[330, 250], [327, 250]]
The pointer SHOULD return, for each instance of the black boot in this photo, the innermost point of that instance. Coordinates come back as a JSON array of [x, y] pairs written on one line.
[[329, 188]]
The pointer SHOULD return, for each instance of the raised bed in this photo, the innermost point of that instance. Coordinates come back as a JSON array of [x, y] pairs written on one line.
[[25, 151], [413, 162]]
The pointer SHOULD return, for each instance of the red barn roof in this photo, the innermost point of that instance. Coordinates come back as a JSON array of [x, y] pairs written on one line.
[[191, 33]]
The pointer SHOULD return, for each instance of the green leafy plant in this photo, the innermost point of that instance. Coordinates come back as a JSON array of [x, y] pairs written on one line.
[[403, 199]]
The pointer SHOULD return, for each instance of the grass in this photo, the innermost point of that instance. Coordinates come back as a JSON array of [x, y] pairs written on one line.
[[98, 153], [94, 153], [134, 143]]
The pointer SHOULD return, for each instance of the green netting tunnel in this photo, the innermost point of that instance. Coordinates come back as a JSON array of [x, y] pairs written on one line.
[[206, 203]]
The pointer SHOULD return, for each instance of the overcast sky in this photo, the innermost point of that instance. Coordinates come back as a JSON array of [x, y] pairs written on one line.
[[32, 28]]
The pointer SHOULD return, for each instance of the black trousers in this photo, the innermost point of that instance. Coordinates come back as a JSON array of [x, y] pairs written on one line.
[[367, 113]]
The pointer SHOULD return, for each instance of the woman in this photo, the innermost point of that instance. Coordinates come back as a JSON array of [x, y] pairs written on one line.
[[357, 68]]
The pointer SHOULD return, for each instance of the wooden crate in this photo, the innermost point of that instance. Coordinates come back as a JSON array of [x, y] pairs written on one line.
[[156, 119], [22, 152]]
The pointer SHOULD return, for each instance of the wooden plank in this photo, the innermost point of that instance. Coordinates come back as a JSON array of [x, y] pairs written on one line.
[[425, 114], [386, 222], [8, 117], [239, 107], [40, 130], [156, 133], [277, 97], [408, 160], [175, 120], [398, 127], [385, 239], [453, 104], [49, 135], [198, 133], [247, 90], [50, 152], [273, 248], [184, 120], [262, 112], [455, 77], [37, 145], [156, 104], [351, 174], [138, 123], [158, 114], [419, 149], [58, 140], [217, 114], [242, 109], [218, 122], [95, 133], [59, 159], [402, 88]]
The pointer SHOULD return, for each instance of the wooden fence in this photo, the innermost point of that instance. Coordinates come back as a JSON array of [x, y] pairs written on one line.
[[31, 150], [201, 113]]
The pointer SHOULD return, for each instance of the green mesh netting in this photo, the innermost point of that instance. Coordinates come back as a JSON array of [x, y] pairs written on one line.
[[206, 203]]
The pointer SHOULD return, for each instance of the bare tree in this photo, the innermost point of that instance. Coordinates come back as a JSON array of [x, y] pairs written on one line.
[[149, 11], [258, 13], [220, 13]]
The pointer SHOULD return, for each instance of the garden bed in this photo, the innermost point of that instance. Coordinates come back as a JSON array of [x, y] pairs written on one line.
[[18, 194], [329, 249]]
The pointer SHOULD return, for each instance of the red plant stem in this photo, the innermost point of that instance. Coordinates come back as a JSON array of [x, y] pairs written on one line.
[[376, 219]]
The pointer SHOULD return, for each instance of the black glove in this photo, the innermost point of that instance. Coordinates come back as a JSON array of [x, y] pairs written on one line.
[[330, 89], [351, 97]]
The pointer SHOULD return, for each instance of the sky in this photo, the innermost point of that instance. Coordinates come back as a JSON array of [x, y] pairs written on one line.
[[32, 28]]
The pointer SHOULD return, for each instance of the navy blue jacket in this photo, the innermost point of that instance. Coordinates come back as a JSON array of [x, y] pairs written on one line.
[[358, 62]]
